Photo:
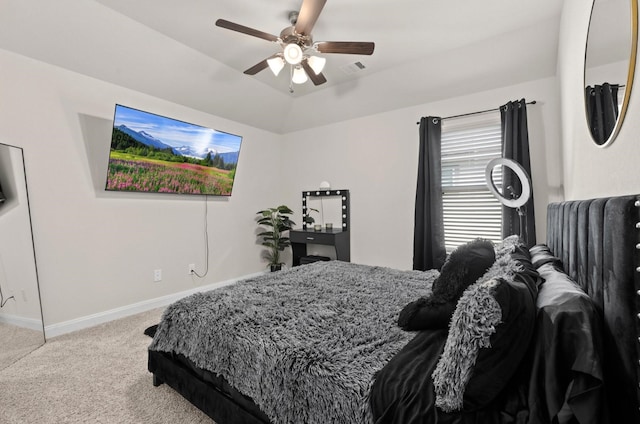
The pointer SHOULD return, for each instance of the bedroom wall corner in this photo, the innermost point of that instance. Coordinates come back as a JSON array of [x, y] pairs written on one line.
[[376, 158]]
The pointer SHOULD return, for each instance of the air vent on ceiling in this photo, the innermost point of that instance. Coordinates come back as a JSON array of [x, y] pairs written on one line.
[[352, 68]]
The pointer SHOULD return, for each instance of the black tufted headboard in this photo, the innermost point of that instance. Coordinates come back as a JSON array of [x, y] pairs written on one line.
[[598, 241]]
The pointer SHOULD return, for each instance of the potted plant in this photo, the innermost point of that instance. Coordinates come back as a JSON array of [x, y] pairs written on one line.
[[277, 219]]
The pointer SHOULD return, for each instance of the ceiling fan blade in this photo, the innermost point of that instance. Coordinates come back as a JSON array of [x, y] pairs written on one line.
[[308, 15], [316, 79], [245, 30], [345, 47], [257, 67]]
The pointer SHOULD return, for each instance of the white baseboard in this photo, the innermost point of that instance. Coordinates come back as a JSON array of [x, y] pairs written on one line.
[[65, 327], [30, 323]]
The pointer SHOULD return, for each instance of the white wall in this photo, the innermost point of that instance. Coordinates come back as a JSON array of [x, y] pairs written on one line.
[[589, 170], [97, 250], [376, 158]]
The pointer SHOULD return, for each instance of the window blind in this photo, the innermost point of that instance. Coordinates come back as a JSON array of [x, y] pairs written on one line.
[[469, 209]]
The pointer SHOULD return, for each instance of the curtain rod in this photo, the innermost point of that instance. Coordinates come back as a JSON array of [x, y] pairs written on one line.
[[533, 102]]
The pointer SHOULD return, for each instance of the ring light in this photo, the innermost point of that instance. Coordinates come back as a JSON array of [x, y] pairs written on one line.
[[522, 175]]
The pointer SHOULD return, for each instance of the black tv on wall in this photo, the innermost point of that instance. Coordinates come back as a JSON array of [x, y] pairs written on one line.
[[157, 154]]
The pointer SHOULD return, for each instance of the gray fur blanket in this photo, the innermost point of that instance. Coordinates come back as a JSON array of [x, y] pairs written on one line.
[[304, 343]]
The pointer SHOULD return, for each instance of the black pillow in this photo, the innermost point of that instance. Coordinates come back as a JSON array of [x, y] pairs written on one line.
[[424, 314], [490, 334], [541, 255], [463, 267]]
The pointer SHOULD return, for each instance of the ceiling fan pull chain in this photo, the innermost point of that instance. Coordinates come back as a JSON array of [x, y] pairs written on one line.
[[291, 79]]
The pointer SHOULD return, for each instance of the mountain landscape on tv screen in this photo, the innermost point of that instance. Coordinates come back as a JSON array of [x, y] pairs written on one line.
[[139, 161], [151, 141]]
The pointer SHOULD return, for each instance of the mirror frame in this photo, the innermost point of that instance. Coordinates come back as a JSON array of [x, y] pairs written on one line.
[[33, 243], [630, 75]]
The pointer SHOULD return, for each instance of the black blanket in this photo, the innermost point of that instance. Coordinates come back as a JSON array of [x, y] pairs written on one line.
[[404, 392]]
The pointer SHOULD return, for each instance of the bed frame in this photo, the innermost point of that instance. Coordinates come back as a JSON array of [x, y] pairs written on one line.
[[599, 243], [211, 394]]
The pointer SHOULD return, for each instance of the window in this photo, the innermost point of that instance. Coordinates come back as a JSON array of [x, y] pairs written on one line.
[[469, 209]]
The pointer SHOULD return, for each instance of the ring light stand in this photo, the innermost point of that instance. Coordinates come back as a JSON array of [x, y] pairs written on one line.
[[514, 201]]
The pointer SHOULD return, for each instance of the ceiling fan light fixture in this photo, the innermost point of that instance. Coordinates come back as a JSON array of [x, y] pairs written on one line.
[[293, 54], [317, 63], [276, 64], [299, 76], [296, 46]]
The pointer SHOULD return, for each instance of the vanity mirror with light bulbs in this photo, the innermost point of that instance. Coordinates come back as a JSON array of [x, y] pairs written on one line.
[[610, 59], [336, 235]]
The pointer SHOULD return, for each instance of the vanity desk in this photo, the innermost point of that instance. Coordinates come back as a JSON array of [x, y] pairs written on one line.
[[338, 236]]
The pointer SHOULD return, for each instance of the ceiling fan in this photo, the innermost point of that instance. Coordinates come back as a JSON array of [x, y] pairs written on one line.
[[298, 48]]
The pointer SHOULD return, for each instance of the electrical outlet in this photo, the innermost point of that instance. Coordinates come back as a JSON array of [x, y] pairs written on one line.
[[157, 275], [192, 269]]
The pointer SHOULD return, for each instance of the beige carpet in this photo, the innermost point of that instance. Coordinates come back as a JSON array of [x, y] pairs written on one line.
[[97, 375], [16, 342]]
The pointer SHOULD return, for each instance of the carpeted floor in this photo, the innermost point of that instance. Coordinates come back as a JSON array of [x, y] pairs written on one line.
[[17, 342], [97, 375]]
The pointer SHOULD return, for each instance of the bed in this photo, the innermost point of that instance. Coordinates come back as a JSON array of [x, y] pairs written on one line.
[[548, 334]]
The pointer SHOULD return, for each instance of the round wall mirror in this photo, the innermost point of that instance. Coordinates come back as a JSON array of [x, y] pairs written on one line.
[[610, 60]]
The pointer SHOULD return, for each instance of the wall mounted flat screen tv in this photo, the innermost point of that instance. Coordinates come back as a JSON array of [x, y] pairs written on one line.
[[153, 153]]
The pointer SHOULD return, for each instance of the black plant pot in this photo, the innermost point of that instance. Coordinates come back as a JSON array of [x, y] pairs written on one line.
[[275, 268]]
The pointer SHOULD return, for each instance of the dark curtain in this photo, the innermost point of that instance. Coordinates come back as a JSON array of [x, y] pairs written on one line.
[[428, 239], [515, 146], [602, 110]]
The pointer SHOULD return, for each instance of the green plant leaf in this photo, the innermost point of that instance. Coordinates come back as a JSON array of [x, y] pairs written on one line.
[[278, 219], [284, 209]]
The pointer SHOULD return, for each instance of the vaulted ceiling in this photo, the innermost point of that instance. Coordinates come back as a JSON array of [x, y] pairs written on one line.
[[424, 51]]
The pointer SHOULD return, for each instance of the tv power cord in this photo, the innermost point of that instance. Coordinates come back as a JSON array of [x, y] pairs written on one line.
[[4, 301]]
